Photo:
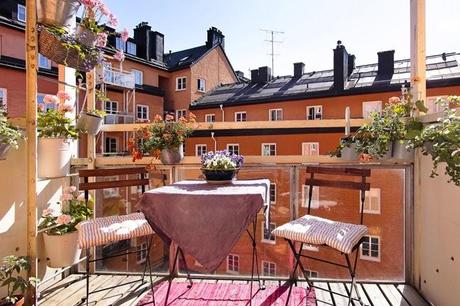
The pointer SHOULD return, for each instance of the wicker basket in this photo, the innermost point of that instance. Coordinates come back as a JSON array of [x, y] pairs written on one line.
[[50, 46], [86, 36]]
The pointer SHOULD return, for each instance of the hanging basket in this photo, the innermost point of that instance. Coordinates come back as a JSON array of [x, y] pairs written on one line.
[[51, 46], [86, 36], [58, 13], [90, 123], [62, 250]]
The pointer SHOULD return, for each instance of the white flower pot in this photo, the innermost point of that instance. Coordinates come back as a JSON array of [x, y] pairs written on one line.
[[172, 156], [62, 250], [58, 13], [53, 157], [91, 124]]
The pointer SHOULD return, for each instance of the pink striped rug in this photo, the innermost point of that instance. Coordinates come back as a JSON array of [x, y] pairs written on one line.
[[226, 294]]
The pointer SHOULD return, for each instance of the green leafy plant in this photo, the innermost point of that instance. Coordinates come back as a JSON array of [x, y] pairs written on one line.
[[10, 277], [97, 113], [9, 134]]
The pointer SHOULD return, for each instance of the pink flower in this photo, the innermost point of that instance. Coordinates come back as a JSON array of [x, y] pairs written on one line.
[[47, 212], [70, 189], [65, 108], [63, 96], [394, 100], [63, 219], [101, 39], [169, 118], [90, 3], [124, 34], [50, 99], [41, 107], [104, 9], [81, 197], [119, 55], [66, 197], [113, 20]]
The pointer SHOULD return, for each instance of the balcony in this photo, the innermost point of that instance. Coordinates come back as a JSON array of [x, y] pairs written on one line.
[[114, 77], [119, 118]]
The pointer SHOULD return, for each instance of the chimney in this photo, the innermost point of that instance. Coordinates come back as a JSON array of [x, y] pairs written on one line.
[[298, 69], [265, 74], [215, 37], [157, 45], [254, 76], [142, 38], [340, 66], [351, 64], [386, 63]]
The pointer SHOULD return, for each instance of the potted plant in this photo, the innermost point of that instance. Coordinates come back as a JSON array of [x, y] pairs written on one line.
[[59, 222], [91, 121], [441, 140], [10, 277], [55, 131], [58, 13], [346, 149], [163, 139], [9, 135], [221, 166]]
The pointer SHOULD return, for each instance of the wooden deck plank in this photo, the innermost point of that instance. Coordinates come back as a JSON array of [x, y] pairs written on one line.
[[375, 295], [75, 298], [411, 295], [339, 300], [110, 282], [118, 293], [392, 293], [55, 299], [55, 288], [323, 297]]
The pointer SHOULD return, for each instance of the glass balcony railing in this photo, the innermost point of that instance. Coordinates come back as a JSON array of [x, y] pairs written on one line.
[[119, 118], [114, 77]]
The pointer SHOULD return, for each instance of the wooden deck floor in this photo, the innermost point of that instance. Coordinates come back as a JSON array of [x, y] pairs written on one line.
[[70, 290]]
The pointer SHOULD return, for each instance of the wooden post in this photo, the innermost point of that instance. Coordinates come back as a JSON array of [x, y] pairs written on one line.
[[418, 49], [31, 145]]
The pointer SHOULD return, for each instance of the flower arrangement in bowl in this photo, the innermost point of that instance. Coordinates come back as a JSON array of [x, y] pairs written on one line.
[[220, 166], [9, 135], [16, 285], [59, 223], [163, 139]]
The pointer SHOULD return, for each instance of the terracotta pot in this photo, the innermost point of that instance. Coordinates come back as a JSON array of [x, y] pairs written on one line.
[[400, 151], [62, 250], [172, 156], [86, 36], [58, 13], [3, 150], [53, 157], [89, 123]]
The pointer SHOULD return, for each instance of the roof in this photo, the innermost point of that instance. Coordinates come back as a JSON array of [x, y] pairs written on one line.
[[441, 69], [184, 58]]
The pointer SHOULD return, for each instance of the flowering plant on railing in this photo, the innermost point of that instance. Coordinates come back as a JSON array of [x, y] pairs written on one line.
[[60, 219], [161, 134], [54, 123], [221, 161], [9, 134]]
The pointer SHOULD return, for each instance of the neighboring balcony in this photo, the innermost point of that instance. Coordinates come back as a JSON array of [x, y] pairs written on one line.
[[119, 118], [115, 77]]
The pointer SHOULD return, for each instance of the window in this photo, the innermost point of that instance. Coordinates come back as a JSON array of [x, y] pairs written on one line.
[[141, 251], [110, 145], [181, 83], [210, 118], [268, 149], [111, 192], [3, 98], [21, 13], [370, 248], [370, 107], [267, 236], [131, 48], [371, 201], [233, 148], [233, 263], [314, 196], [138, 76], [272, 193], [431, 104], [310, 148], [268, 268], [311, 274], [181, 113], [240, 116], [315, 112], [142, 112], [120, 44], [201, 85], [111, 107], [275, 114], [43, 62], [200, 149]]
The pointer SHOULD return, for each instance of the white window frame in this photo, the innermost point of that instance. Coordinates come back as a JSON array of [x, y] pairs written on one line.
[[181, 113], [310, 145], [311, 274], [47, 60], [368, 199], [130, 43], [20, 6], [315, 197], [278, 117], [234, 145], [105, 144], [4, 98], [241, 116], [208, 116], [267, 144], [233, 271], [111, 192], [119, 43], [141, 251], [183, 83], [201, 85], [146, 110], [263, 239], [367, 113], [112, 103], [197, 148], [317, 109], [272, 202], [140, 73], [369, 257], [269, 263]]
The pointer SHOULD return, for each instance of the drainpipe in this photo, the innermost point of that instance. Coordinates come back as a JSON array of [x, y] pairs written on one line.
[[223, 112], [215, 141]]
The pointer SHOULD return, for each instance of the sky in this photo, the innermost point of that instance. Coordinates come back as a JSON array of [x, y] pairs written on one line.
[[311, 28]]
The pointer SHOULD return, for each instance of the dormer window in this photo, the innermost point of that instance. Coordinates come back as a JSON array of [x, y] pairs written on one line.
[[131, 48], [21, 13]]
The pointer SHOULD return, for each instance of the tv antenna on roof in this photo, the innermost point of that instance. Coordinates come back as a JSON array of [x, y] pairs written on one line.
[[272, 41]]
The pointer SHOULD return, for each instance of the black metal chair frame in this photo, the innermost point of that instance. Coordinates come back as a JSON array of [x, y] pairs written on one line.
[[86, 186], [363, 186]]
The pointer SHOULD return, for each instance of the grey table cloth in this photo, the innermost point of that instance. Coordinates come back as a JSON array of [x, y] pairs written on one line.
[[205, 220]]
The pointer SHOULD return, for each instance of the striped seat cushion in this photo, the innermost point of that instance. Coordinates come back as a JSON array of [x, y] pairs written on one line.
[[100, 231], [318, 231]]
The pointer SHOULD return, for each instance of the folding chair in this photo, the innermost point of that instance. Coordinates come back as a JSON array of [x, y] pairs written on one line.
[[108, 230], [342, 237]]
